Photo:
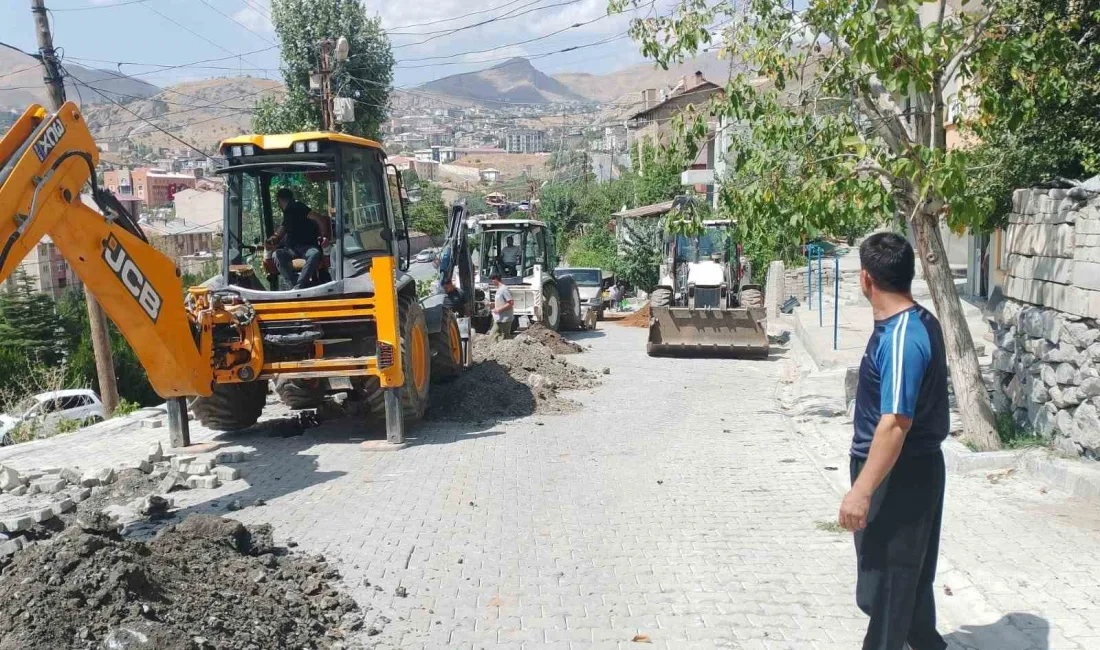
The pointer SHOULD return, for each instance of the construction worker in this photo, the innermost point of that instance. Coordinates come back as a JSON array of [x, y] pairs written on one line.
[[503, 310], [509, 257], [302, 235]]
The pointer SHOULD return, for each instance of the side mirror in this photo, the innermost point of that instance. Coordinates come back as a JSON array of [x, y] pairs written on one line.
[[386, 234]]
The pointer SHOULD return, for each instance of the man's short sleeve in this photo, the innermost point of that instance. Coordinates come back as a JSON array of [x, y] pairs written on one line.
[[903, 356]]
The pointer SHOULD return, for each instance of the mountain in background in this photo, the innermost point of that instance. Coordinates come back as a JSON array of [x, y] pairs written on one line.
[[21, 83], [614, 86], [200, 112], [515, 80]]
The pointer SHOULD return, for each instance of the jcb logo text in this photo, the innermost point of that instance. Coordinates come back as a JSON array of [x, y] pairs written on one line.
[[131, 277]]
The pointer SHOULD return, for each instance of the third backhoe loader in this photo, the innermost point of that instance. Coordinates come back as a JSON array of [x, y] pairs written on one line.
[[355, 326], [704, 302]]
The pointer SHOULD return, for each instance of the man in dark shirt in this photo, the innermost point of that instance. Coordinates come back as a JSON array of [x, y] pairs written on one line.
[[895, 505], [306, 233]]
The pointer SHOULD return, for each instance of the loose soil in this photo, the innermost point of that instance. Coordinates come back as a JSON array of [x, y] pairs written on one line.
[[551, 339], [639, 318], [207, 583], [512, 378]]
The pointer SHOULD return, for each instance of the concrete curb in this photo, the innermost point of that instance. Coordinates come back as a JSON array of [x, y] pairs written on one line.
[[1080, 478], [1076, 477]]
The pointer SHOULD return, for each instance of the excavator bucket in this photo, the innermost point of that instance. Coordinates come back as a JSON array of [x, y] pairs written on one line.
[[683, 331]]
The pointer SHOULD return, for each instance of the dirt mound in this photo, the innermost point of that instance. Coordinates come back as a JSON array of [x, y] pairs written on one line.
[[510, 378], [639, 318], [207, 583], [550, 339]]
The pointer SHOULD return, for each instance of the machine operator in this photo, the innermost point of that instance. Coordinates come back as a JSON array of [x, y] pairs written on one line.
[[302, 235]]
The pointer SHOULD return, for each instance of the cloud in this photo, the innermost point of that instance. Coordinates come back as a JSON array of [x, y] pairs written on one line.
[[253, 20]]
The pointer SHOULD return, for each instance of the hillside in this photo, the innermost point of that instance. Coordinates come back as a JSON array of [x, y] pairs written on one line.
[[631, 81], [21, 83], [200, 112], [515, 80]]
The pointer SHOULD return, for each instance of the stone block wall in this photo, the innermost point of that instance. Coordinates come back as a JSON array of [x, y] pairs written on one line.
[[1046, 361]]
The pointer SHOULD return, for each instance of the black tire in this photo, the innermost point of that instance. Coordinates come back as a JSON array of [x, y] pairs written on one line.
[[660, 297], [570, 298], [446, 349], [301, 393], [231, 406], [369, 390], [551, 311], [414, 400], [752, 298]]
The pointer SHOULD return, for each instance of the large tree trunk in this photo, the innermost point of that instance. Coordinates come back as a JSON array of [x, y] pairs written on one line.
[[972, 400]]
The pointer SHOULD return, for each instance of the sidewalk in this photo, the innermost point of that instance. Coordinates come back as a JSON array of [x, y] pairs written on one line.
[[814, 326]]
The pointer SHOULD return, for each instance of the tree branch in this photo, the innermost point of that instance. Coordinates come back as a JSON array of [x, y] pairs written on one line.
[[969, 45]]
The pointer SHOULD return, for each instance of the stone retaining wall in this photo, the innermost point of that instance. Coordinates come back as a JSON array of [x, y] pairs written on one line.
[[1047, 358]]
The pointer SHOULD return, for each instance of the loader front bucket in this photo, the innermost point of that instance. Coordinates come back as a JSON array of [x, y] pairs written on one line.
[[707, 332]]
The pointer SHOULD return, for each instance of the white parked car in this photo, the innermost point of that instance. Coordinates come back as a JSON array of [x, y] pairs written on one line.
[[50, 409]]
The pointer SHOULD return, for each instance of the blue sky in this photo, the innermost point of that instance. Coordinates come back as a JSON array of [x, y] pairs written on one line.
[[100, 32]]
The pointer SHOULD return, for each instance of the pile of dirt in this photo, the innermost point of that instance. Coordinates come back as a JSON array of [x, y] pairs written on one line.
[[207, 583], [510, 378], [639, 318], [550, 339]]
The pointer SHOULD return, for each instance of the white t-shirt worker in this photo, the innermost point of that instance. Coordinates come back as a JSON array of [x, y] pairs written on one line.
[[503, 310]]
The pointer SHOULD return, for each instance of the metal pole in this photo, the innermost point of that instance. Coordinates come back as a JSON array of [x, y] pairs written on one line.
[[836, 301], [179, 434], [395, 416], [97, 320], [809, 277], [820, 302]]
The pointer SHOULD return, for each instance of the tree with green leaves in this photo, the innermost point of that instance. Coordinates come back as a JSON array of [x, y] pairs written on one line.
[[29, 325], [429, 214], [1038, 89], [856, 92], [366, 76]]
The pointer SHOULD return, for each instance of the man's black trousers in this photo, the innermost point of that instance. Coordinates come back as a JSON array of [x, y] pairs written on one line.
[[897, 554]]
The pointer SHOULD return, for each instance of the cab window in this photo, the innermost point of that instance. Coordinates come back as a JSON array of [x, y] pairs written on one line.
[[363, 203], [536, 250]]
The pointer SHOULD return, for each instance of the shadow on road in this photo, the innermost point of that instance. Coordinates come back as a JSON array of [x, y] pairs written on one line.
[[1016, 631], [584, 335]]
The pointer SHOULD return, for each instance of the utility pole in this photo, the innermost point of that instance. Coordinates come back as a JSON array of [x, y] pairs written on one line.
[[97, 320], [327, 123]]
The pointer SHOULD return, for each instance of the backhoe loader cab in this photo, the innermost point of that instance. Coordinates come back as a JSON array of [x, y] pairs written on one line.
[[523, 252]]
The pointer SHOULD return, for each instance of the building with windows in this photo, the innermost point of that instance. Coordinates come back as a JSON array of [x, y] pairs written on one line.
[[523, 141], [155, 187]]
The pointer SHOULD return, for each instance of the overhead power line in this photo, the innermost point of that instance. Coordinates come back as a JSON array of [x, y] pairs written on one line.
[[452, 18], [175, 66], [135, 114], [523, 42], [104, 6], [243, 26], [507, 16]]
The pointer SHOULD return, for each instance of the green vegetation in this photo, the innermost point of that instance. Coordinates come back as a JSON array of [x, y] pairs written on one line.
[[45, 345], [1013, 435], [830, 526], [1039, 97], [429, 214], [367, 74]]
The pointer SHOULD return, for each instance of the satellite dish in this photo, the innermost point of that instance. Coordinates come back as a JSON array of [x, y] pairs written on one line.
[[342, 48]]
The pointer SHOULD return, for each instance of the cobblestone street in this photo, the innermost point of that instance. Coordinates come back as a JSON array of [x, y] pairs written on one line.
[[680, 506]]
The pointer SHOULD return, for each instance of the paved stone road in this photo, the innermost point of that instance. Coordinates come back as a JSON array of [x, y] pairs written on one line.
[[679, 504]]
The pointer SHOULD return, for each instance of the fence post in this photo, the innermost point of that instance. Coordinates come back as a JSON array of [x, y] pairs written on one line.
[[836, 301], [820, 302], [809, 277]]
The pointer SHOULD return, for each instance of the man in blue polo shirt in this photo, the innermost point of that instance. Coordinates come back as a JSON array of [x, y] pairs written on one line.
[[895, 505]]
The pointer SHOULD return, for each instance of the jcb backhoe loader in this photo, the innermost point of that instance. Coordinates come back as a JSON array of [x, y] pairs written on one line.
[[356, 326]]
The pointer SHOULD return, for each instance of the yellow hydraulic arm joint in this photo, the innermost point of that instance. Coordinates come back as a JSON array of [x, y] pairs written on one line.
[[45, 160]]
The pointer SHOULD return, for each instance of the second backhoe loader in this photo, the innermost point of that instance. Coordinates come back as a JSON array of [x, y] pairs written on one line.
[[354, 325]]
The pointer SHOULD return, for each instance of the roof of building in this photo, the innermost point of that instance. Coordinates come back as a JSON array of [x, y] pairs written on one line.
[[703, 89], [653, 210]]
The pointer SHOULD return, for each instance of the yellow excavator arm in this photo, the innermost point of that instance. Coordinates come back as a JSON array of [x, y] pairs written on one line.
[[45, 161]]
